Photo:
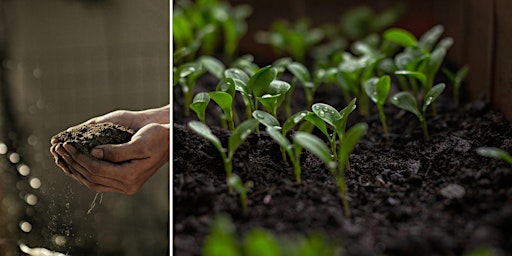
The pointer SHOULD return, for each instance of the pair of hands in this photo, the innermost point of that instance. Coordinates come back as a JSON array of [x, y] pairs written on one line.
[[122, 168]]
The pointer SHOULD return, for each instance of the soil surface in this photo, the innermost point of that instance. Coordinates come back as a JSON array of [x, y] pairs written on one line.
[[86, 137], [408, 196]]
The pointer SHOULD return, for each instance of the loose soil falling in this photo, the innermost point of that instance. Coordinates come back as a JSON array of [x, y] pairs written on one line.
[[407, 196]]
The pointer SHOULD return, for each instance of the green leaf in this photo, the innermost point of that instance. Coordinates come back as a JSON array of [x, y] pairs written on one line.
[[266, 119], [221, 241], [495, 153], [432, 95], [204, 130], [260, 81], [269, 101], [370, 87], [345, 112], [383, 87], [259, 242], [350, 140], [189, 68], [241, 132], [299, 71], [239, 77], [317, 122], [278, 87], [235, 182], [223, 99], [213, 65], [278, 137], [406, 101], [429, 38], [199, 104], [415, 74], [436, 59], [227, 85], [314, 145], [293, 120], [327, 113], [401, 37]]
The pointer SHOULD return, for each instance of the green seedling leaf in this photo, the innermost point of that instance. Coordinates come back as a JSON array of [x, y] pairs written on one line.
[[213, 65], [429, 38], [432, 95], [436, 59], [293, 120], [344, 117], [280, 64], [299, 71], [445, 44], [259, 242], [189, 68], [246, 64], [227, 85], [266, 119], [205, 131], [223, 99], [383, 87], [199, 104], [401, 37], [239, 77], [269, 101], [316, 146], [260, 81], [241, 132], [495, 153], [406, 101], [221, 241], [415, 74], [318, 123], [278, 137], [327, 113]]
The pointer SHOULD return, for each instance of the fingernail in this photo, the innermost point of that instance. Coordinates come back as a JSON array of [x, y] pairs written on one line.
[[98, 153]]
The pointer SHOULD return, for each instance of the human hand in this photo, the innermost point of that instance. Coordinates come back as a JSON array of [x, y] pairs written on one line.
[[122, 168]]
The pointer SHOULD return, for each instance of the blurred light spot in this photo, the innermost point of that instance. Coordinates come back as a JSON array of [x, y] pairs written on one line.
[[23, 169], [32, 140], [3, 148], [59, 240], [31, 199], [38, 73], [14, 158], [21, 185], [25, 226], [35, 183], [40, 104]]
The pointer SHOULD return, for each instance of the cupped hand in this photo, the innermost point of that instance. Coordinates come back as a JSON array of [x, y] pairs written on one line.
[[122, 168]]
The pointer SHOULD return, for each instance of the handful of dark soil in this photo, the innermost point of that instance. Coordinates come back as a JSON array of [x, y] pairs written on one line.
[[86, 137]]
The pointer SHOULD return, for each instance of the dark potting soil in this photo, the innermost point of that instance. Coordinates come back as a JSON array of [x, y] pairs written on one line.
[[86, 137], [408, 196]]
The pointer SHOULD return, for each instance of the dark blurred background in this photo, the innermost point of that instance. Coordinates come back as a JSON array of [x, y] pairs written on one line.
[[63, 62]]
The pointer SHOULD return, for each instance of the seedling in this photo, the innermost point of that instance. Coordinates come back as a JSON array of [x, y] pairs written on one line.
[[457, 80], [300, 73], [495, 153], [292, 39], [317, 147], [187, 74], [274, 96], [242, 188], [239, 134], [406, 101], [378, 89], [326, 114], [199, 104]]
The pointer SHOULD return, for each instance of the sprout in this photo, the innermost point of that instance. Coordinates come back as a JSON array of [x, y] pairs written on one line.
[[495, 153], [378, 89], [326, 114], [318, 148], [274, 96], [199, 105], [242, 188], [300, 73], [406, 101], [293, 150], [457, 80], [239, 134]]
